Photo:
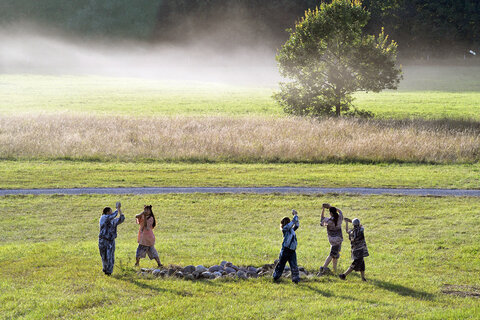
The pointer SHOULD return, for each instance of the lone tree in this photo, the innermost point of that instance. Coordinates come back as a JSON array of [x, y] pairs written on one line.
[[328, 57]]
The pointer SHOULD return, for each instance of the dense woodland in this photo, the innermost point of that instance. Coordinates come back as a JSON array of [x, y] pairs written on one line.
[[422, 28]]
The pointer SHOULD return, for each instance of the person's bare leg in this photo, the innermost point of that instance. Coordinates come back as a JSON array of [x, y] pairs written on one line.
[[327, 261], [343, 276], [158, 262], [335, 264], [363, 275], [137, 263]]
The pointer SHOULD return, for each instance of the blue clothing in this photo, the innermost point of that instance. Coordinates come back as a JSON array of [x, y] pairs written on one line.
[[291, 256], [106, 239], [107, 252], [288, 253], [108, 225], [289, 237]]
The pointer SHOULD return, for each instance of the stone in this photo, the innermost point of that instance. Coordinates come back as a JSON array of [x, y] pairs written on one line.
[[301, 269], [252, 269], [228, 264], [201, 269], [286, 274], [215, 268], [234, 267], [207, 275], [156, 272], [251, 274], [178, 274], [147, 270], [259, 270], [188, 269], [163, 273], [287, 269], [196, 274], [217, 274], [170, 272], [241, 274], [230, 270], [189, 276], [223, 263]]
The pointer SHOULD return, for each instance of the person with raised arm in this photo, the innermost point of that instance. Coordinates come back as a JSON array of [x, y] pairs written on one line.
[[146, 238], [289, 245], [106, 237], [335, 236], [359, 248]]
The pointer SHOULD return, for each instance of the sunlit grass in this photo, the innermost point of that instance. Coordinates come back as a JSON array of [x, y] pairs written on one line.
[[50, 266], [233, 139], [75, 174]]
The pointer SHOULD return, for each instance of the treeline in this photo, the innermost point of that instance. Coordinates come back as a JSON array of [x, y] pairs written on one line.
[[84, 18], [422, 28]]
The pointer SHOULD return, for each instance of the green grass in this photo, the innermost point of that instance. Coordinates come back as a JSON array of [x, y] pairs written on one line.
[[432, 92], [50, 267], [75, 174]]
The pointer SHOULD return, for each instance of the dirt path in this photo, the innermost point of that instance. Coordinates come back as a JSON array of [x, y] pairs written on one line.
[[257, 190]]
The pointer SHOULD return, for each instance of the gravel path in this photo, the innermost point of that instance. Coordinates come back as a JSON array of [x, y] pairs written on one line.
[[258, 190]]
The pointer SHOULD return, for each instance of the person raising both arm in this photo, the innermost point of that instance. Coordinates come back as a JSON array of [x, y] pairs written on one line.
[[146, 238], [106, 237], [335, 236], [289, 245], [359, 248]]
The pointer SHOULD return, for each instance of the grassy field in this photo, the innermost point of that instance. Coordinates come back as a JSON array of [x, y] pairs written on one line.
[[427, 92], [50, 267], [75, 174]]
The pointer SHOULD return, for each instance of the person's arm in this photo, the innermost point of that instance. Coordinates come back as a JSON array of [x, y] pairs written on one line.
[[295, 220], [324, 206], [138, 216], [120, 219]]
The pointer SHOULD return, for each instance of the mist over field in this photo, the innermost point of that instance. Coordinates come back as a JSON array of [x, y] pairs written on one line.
[[31, 50]]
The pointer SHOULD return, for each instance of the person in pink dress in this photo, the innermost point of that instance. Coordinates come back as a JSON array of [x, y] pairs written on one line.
[[146, 238]]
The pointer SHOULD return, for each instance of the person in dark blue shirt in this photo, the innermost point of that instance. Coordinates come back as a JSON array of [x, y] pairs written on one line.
[[289, 246], [107, 235]]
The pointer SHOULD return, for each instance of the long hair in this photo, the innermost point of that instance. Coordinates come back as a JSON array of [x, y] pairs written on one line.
[[151, 213], [334, 213]]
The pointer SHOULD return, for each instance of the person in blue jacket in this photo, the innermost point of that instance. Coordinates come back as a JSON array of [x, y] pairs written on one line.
[[107, 235], [289, 246]]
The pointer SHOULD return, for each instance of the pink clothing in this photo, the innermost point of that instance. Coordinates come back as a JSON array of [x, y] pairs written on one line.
[[145, 234]]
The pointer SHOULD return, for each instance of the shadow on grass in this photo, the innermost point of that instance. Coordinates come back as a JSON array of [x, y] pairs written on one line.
[[316, 290], [401, 290], [147, 286]]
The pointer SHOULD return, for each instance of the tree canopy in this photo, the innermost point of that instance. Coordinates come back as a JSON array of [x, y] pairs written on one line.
[[328, 57]]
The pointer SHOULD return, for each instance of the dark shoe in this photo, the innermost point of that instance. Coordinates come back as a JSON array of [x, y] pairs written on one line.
[[363, 279], [342, 276], [296, 281], [276, 280], [108, 274]]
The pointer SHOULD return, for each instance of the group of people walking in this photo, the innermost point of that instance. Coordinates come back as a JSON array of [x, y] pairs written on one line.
[[146, 241]]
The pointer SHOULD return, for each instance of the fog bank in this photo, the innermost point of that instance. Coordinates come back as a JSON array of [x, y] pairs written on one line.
[[25, 50]]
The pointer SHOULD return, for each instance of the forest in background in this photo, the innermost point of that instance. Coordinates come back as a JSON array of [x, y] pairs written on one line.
[[423, 28]]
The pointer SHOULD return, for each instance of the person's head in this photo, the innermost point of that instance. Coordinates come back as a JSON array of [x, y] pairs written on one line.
[[284, 222], [356, 223], [334, 214], [148, 211], [107, 210]]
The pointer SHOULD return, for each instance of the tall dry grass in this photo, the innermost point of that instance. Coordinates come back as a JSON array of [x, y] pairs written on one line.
[[238, 139]]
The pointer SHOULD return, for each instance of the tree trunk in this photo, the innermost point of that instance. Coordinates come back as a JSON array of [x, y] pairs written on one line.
[[337, 110]]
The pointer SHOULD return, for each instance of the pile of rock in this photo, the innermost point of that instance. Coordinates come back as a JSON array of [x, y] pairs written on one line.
[[224, 270]]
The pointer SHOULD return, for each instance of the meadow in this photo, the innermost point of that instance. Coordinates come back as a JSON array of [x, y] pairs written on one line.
[[92, 131], [420, 248]]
